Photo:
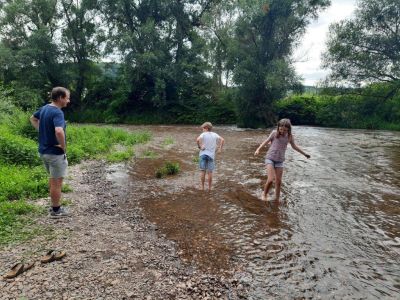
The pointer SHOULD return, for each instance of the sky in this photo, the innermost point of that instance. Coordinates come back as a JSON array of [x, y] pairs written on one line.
[[308, 54]]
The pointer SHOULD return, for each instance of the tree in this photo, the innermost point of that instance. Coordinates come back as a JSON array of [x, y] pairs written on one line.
[[28, 51], [163, 65], [266, 33], [80, 43], [366, 48]]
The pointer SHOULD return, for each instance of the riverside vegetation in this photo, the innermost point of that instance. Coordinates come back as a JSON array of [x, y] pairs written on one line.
[[22, 177]]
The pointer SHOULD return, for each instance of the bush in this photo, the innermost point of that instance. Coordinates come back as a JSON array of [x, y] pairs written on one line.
[[15, 149], [169, 168], [300, 109], [19, 182]]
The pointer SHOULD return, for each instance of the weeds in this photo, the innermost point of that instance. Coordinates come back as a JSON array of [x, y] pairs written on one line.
[[169, 168]]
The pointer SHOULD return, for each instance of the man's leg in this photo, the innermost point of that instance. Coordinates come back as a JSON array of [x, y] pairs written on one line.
[[55, 185]]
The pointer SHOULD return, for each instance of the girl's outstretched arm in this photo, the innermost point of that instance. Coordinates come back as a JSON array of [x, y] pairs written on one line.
[[297, 148], [264, 143]]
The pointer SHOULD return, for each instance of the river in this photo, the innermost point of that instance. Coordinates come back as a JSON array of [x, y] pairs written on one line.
[[335, 233]]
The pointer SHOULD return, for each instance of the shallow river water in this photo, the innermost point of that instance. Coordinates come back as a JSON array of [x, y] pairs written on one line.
[[334, 234]]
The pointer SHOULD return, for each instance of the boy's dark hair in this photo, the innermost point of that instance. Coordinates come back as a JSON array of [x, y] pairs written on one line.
[[58, 92]]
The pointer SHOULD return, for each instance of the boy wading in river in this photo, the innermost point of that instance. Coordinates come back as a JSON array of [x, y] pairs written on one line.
[[275, 157], [207, 143]]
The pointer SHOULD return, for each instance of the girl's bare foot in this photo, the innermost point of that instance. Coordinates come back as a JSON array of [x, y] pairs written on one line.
[[263, 197]]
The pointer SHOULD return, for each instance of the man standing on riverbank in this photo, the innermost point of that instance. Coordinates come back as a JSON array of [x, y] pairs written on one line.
[[50, 122], [207, 143]]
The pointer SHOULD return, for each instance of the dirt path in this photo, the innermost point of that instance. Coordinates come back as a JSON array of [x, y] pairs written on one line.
[[113, 252]]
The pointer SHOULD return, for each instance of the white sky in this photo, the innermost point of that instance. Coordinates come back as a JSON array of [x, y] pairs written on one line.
[[308, 54]]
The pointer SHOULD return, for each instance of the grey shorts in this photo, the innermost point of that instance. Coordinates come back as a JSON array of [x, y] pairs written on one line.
[[56, 165], [275, 164]]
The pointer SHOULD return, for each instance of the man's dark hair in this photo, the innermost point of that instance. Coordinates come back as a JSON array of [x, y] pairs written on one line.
[[58, 92]]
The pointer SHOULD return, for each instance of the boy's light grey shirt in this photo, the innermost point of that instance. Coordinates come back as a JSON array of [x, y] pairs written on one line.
[[209, 141]]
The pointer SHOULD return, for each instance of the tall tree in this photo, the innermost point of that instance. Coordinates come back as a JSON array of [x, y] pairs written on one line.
[[29, 52], [366, 48], [266, 33], [80, 42]]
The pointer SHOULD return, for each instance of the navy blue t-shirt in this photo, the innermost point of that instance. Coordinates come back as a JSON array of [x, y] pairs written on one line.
[[50, 117]]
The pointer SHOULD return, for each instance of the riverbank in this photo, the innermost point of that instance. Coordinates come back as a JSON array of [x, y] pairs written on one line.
[[112, 252]]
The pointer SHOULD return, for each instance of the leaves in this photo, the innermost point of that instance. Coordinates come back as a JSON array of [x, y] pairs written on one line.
[[366, 48]]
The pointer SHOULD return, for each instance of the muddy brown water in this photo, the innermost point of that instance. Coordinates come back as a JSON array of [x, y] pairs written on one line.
[[334, 234]]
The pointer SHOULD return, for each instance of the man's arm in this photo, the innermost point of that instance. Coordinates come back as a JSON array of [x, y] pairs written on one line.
[[34, 122], [60, 135]]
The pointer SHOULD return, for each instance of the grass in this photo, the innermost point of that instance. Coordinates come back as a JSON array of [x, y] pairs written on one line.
[[16, 221], [66, 188], [169, 168], [149, 154], [168, 141], [26, 179], [120, 155]]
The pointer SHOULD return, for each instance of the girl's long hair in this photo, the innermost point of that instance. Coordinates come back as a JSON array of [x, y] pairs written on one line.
[[284, 123]]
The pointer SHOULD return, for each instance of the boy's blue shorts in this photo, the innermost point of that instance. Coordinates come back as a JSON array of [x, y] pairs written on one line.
[[206, 163]]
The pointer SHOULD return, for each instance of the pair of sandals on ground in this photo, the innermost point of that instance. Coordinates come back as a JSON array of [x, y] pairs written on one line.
[[19, 268]]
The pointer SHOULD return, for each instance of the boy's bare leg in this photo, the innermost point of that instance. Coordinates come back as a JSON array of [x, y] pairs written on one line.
[[209, 180], [270, 180], [55, 185], [203, 179], [278, 182]]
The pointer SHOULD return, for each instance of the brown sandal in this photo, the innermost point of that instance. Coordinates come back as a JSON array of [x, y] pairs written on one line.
[[17, 269], [52, 255]]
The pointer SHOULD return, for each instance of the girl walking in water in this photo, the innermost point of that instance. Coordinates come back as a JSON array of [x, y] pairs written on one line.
[[275, 157]]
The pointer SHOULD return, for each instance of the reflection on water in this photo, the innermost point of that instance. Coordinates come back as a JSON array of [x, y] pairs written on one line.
[[335, 233]]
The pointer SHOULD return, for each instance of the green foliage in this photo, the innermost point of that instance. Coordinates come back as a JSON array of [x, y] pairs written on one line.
[[119, 156], [21, 182], [374, 107], [366, 47], [15, 149], [149, 154], [260, 54], [168, 141], [169, 168], [13, 221], [93, 141], [66, 188], [298, 108]]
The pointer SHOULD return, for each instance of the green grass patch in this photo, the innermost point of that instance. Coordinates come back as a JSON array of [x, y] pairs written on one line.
[[66, 202], [23, 177], [16, 221], [119, 156], [169, 168], [168, 141], [22, 182], [98, 142], [149, 154], [66, 188]]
